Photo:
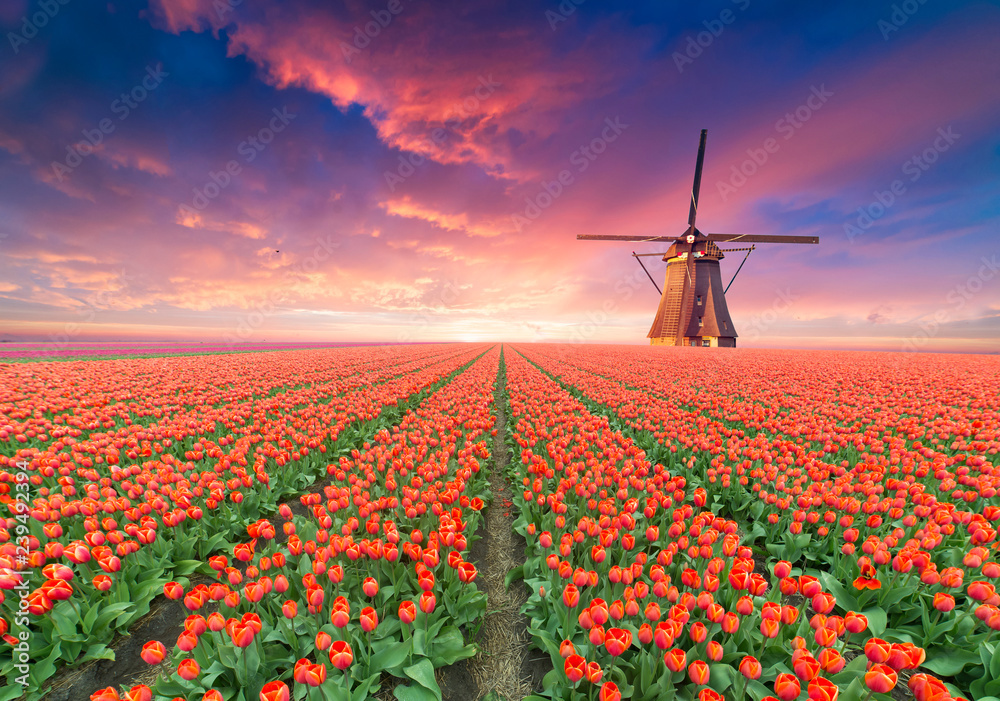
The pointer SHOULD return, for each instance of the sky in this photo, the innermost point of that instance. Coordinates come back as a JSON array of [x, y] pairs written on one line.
[[395, 170]]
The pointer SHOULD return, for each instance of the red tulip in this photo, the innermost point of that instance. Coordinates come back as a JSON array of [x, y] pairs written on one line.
[[571, 596], [928, 688], [877, 650], [369, 619], [855, 622], [617, 641], [341, 656], [153, 652], [173, 590], [594, 673], [831, 661], [645, 635], [187, 641], [195, 624], [880, 678], [139, 692], [750, 667], [299, 672], [698, 672], [822, 689], [575, 667], [407, 611], [905, 656], [323, 641], [467, 572], [241, 635], [944, 602], [609, 692], [786, 687], [315, 674], [806, 667], [216, 622], [274, 691], [188, 669]]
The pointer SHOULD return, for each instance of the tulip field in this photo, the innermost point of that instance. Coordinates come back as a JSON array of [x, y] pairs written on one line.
[[697, 523]]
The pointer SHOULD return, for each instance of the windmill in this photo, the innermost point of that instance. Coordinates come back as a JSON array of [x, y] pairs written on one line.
[[693, 307]]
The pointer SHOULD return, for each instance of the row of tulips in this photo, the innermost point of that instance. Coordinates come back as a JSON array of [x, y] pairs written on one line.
[[373, 579], [881, 522], [101, 534], [639, 591]]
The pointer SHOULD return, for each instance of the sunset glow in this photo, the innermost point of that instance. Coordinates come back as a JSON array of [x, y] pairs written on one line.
[[229, 172]]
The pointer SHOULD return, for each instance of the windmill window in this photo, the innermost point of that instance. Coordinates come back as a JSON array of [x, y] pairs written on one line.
[[700, 322], [706, 343], [725, 325], [699, 300]]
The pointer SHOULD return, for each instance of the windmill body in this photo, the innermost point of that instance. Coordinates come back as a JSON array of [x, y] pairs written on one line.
[[693, 310], [705, 321]]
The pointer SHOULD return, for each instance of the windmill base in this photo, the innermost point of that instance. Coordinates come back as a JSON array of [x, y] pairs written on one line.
[[698, 341]]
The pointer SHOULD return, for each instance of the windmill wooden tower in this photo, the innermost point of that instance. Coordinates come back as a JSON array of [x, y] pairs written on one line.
[[693, 309]]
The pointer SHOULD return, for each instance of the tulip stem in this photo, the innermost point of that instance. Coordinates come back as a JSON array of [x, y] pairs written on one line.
[[292, 636], [368, 666], [77, 610], [743, 691]]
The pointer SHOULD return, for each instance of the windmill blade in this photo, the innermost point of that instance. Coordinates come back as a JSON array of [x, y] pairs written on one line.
[[632, 239], [763, 238], [696, 188]]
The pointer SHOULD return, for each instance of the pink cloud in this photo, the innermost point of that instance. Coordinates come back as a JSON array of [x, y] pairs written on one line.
[[455, 100]]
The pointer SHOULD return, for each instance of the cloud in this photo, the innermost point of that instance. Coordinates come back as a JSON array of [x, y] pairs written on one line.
[[433, 81]]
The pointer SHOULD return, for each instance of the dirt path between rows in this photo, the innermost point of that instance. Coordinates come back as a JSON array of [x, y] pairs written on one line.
[[504, 668]]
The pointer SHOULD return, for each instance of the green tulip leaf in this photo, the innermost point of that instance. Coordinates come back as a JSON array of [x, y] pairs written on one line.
[[423, 674]]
